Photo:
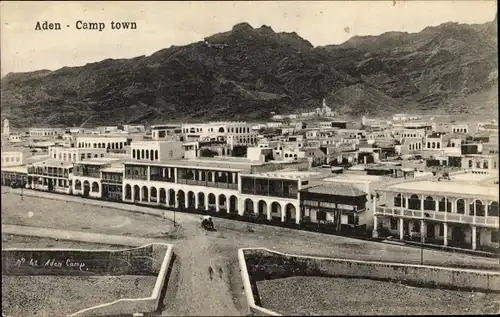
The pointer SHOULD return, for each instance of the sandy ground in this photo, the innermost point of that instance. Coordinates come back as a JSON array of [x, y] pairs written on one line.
[[25, 296], [206, 279], [11, 241], [340, 296]]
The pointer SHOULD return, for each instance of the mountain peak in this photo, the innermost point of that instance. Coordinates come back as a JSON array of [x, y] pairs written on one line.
[[244, 26]]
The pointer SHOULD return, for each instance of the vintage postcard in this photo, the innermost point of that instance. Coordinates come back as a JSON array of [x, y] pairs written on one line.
[[233, 158]]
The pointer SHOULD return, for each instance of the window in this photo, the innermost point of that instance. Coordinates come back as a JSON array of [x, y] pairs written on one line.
[[494, 236], [416, 226], [441, 229], [394, 224], [102, 154], [321, 216]]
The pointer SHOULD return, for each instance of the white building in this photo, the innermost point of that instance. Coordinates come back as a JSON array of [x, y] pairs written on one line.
[[15, 138], [166, 132], [460, 128], [102, 142], [236, 133], [72, 154], [156, 151], [45, 132], [12, 158], [460, 212]]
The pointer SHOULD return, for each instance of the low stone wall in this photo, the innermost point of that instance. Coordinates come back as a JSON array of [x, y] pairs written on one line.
[[264, 264], [138, 261], [152, 259]]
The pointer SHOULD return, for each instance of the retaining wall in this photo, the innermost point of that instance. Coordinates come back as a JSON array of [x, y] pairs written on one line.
[[152, 259], [264, 264]]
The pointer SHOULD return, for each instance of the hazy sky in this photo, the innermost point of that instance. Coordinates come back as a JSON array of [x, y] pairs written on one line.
[[162, 24]]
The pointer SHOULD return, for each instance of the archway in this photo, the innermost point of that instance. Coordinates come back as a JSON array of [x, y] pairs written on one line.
[[137, 193], [78, 185], [171, 197], [429, 204], [128, 192], [211, 202], [460, 206], [477, 208], [222, 202], [249, 206], [201, 201], [398, 200], [95, 187], [163, 196], [86, 188], [414, 202], [290, 213], [145, 193], [276, 211], [233, 204], [181, 199], [262, 207], [154, 194], [493, 209], [191, 203]]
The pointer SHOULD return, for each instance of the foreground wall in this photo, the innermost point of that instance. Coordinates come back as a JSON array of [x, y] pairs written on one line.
[[264, 264], [153, 259]]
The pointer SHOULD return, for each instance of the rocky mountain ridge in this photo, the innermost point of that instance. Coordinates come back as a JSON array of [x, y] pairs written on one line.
[[247, 73]]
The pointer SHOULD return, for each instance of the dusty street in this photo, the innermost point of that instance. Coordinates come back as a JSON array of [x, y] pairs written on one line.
[[206, 278]]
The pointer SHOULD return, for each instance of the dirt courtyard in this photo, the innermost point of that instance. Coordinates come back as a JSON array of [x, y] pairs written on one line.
[[206, 278]]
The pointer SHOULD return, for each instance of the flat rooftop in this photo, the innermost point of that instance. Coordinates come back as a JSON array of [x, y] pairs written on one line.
[[292, 174], [101, 161], [53, 163], [445, 187], [114, 169], [356, 177], [231, 165], [22, 169]]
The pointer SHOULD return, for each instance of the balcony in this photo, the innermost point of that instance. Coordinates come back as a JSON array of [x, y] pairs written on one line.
[[206, 183], [265, 192], [112, 181], [33, 171], [159, 178], [137, 177], [490, 221], [93, 174]]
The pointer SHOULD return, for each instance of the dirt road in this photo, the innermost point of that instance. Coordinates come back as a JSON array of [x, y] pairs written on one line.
[[206, 278]]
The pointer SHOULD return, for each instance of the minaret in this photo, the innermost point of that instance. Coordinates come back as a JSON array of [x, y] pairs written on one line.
[[6, 127]]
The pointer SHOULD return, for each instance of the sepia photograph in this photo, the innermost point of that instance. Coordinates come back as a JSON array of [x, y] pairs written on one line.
[[249, 158]]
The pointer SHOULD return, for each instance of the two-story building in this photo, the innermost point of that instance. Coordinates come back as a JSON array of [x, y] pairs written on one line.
[[112, 183], [235, 133], [460, 211], [166, 132], [156, 151], [197, 184], [50, 175], [74, 154], [102, 142], [87, 178], [45, 132]]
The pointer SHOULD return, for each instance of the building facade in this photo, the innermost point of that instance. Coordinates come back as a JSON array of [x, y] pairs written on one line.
[[440, 212]]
